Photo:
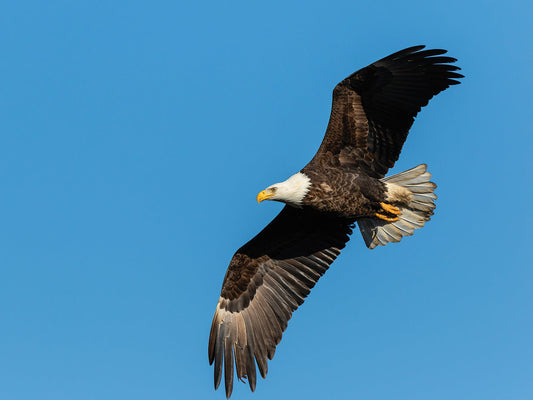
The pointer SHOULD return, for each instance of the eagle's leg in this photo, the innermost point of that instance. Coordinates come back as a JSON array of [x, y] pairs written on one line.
[[389, 209], [385, 218]]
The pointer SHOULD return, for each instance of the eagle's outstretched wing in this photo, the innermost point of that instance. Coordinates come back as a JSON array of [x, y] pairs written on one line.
[[267, 279], [374, 107]]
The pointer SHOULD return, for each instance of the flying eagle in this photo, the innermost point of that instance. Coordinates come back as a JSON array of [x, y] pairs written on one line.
[[270, 276]]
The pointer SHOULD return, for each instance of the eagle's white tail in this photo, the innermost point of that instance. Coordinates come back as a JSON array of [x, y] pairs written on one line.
[[413, 216]]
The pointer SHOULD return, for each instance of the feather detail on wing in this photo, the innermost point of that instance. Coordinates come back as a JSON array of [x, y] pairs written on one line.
[[374, 107], [267, 279]]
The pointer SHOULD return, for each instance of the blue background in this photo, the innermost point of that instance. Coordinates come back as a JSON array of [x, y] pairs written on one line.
[[134, 139]]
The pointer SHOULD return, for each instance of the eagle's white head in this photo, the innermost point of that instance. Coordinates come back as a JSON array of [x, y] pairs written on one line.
[[292, 191]]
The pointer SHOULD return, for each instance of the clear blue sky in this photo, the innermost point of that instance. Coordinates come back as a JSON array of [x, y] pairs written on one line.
[[134, 139]]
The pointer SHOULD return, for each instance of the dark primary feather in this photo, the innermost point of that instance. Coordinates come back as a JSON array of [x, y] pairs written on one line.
[[268, 278], [374, 107]]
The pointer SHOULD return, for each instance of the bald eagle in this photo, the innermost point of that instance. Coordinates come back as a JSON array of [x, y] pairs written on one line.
[[270, 276]]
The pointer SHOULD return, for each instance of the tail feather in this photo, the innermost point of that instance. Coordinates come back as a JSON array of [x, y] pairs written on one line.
[[412, 176], [413, 216]]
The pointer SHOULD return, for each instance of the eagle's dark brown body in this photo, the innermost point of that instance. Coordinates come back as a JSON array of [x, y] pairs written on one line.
[[270, 276], [344, 193]]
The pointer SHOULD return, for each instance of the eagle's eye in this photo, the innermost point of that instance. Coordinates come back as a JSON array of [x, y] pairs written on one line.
[[273, 189]]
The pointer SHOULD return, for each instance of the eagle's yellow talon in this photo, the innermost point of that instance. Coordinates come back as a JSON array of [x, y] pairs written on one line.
[[385, 218], [390, 209]]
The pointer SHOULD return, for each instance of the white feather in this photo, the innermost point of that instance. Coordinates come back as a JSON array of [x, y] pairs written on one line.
[[293, 190], [415, 191]]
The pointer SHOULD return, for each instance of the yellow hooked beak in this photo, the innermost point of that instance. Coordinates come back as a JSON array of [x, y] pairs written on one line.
[[264, 195]]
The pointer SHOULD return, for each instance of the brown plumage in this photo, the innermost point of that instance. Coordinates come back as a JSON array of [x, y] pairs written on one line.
[[270, 276]]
